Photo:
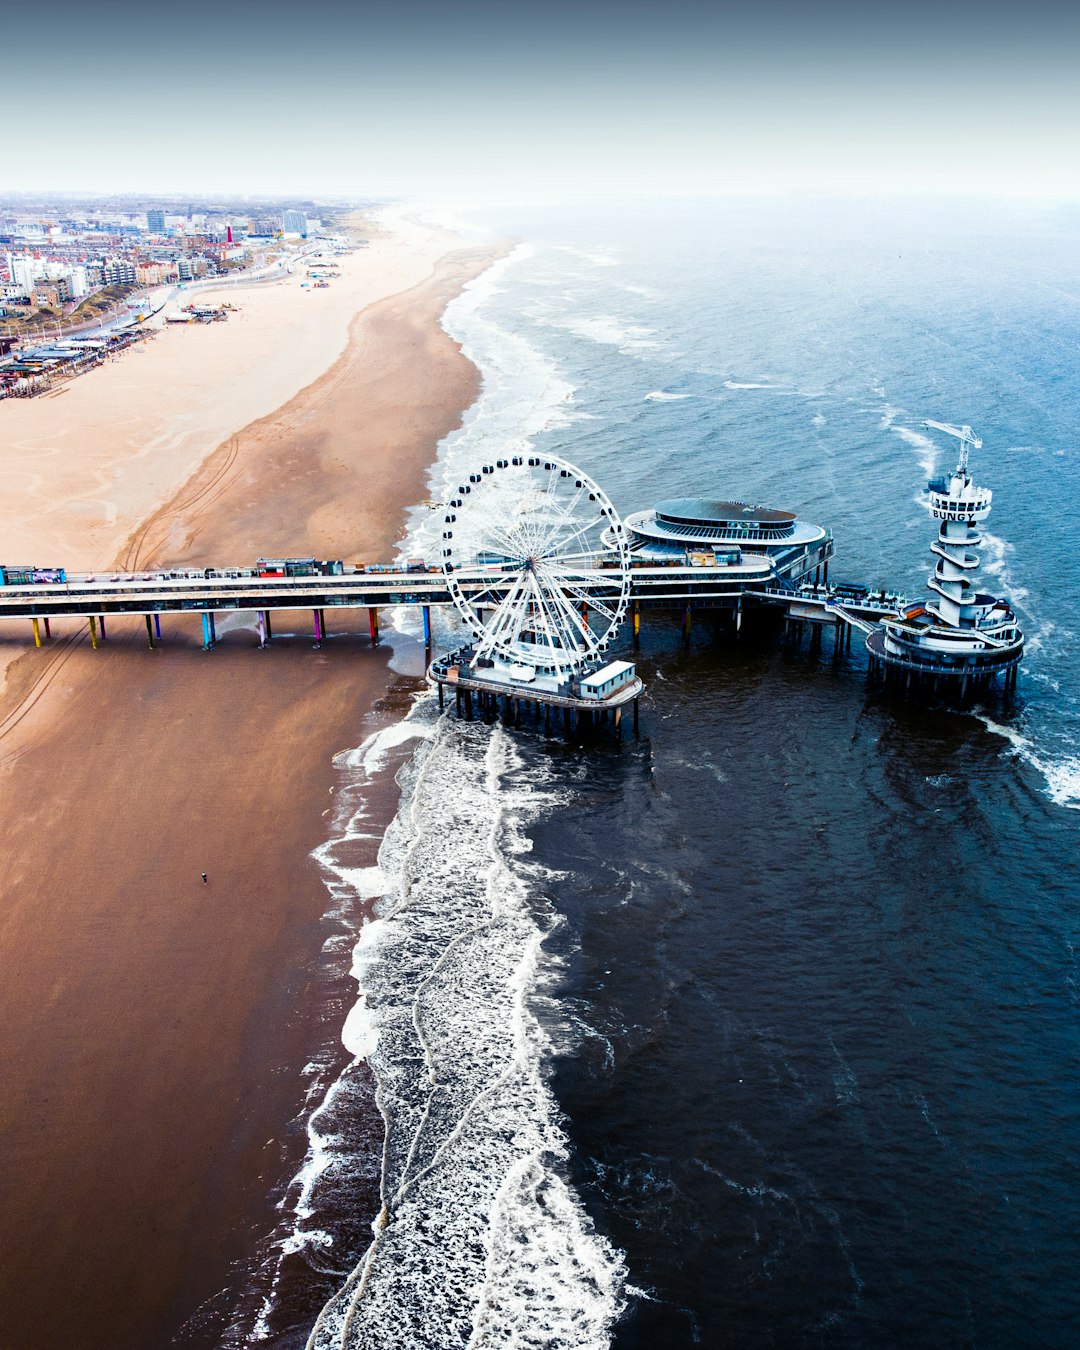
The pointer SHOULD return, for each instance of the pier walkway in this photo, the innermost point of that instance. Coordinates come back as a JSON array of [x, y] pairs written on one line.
[[207, 592]]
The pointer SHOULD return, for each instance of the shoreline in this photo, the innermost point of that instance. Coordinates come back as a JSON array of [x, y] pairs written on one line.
[[157, 1027]]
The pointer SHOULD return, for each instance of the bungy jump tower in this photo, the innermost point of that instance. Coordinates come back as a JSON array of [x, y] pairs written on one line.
[[960, 637]]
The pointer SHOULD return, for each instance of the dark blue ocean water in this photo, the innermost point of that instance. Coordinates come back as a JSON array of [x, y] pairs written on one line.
[[764, 1027]]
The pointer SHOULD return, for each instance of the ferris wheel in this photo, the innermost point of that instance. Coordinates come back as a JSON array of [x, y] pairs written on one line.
[[537, 563]]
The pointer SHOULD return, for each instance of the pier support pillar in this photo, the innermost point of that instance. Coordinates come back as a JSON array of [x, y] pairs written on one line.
[[441, 698], [93, 633], [686, 623], [103, 633], [207, 631], [157, 626], [637, 620], [48, 628], [635, 716], [262, 627], [149, 633], [318, 627], [37, 632], [373, 625], [427, 625]]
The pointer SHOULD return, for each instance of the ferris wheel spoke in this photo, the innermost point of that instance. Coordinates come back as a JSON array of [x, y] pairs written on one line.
[[564, 559], [557, 625], [578, 532], [565, 517], [488, 598], [560, 580], [576, 622], [504, 535], [540, 601], [587, 598], [508, 612]]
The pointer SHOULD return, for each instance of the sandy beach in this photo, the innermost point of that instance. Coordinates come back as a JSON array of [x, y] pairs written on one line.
[[155, 1025]]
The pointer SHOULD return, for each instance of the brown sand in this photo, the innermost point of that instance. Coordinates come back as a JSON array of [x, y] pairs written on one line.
[[154, 1027]]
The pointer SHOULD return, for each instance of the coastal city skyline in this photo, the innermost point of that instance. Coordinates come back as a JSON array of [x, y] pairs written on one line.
[[474, 102]]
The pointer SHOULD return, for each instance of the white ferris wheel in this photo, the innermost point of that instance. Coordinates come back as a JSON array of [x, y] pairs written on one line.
[[537, 563]]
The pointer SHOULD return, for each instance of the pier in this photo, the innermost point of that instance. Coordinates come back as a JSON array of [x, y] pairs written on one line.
[[550, 574]]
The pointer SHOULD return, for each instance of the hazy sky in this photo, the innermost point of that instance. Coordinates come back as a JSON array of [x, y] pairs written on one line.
[[473, 99]]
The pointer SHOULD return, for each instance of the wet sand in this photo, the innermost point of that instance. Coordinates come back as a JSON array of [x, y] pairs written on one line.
[[155, 1026]]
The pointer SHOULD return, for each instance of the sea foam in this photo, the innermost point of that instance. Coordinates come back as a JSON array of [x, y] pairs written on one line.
[[481, 1241]]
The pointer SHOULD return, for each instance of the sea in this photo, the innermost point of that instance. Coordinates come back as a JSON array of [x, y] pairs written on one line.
[[760, 1027]]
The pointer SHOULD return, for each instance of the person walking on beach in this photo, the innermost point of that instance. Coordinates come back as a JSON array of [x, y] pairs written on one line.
[[204, 878]]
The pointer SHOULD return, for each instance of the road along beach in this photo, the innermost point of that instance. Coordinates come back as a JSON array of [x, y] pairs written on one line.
[[155, 1025]]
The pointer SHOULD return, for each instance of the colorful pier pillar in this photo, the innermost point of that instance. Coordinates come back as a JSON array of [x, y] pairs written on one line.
[[318, 627], [93, 633], [427, 627], [37, 632], [48, 629], [209, 636], [637, 618], [373, 625], [262, 627], [686, 621], [157, 626], [149, 633], [103, 633]]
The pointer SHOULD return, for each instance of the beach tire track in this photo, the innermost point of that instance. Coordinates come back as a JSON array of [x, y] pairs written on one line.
[[207, 493], [132, 556], [58, 659]]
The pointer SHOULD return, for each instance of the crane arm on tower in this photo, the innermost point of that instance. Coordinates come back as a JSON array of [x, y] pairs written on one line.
[[963, 434]]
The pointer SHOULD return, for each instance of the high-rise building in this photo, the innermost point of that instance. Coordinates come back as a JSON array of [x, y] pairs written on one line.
[[155, 222], [25, 270], [294, 222]]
